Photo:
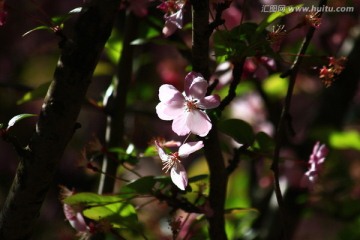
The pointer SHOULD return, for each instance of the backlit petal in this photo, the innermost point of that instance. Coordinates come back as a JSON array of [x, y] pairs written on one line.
[[209, 102], [179, 125], [188, 81], [169, 111], [198, 88], [179, 176], [199, 123], [163, 156], [189, 148], [168, 93]]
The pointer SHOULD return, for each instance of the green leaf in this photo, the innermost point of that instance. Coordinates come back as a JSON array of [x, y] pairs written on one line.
[[240, 210], [128, 155], [17, 118], [345, 140], [275, 86], [38, 28], [91, 199], [242, 41], [239, 130], [264, 142], [120, 215], [198, 178], [58, 20], [143, 185], [276, 15], [37, 93], [113, 47]]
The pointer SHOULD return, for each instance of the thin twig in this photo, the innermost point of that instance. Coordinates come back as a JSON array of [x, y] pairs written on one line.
[[285, 117], [237, 72]]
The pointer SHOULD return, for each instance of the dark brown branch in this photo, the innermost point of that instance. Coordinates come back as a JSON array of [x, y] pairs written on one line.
[[178, 203], [285, 116], [213, 154], [218, 21], [57, 119]]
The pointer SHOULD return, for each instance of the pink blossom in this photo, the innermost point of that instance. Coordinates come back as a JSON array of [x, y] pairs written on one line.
[[172, 162], [316, 161], [174, 13], [3, 13], [74, 214], [187, 109]]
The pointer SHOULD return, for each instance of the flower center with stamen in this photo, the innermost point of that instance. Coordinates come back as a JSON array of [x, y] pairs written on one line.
[[172, 160], [191, 105]]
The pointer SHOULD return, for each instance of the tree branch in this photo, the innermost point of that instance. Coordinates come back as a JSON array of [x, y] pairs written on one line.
[[213, 154], [284, 118], [57, 119]]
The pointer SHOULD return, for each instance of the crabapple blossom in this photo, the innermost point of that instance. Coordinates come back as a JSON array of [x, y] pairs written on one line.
[[187, 109], [174, 13], [172, 161], [74, 215], [316, 161]]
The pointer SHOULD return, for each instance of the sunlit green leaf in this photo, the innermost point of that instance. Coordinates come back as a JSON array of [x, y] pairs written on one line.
[[239, 130], [345, 140], [150, 151], [275, 86], [240, 210], [125, 155], [19, 117], [113, 47], [104, 69], [120, 215], [57, 20], [38, 28], [37, 93], [91, 199]]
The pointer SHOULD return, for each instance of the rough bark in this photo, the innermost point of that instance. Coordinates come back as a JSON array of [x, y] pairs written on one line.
[[57, 119], [214, 158]]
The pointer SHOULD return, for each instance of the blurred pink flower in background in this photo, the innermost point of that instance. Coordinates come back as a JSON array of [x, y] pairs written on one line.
[[172, 161], [3, 13], [251, 109], [174, 13], [186, 109], [316, 161]]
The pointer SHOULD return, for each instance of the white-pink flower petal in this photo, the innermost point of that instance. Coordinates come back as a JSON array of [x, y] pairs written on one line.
[[169, 111], [168, 93], [198, 88], [186, 149], [75, 219], [180, 125], [199, 123], [163, 156], [179, 176], [189, 78], [209, 102]]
